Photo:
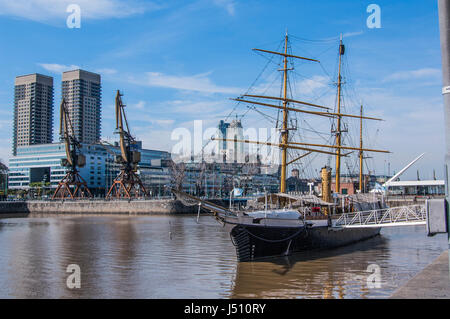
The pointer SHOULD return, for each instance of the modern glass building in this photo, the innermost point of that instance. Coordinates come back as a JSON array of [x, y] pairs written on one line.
[[42, 163], [82, 92], [36, 163], [33, 110]]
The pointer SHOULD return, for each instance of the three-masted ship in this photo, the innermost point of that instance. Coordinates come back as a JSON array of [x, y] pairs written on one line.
[[290, 227]]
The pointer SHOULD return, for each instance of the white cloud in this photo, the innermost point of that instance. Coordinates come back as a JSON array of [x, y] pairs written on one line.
[[155, 139], [106, 71], [197, 83], [58, 68], [139, 105], [309, 86], [196, 107], [50, 10], [413, 74], [228, 5], [413, 125], [352, 34], [164, 122], [147, 118]]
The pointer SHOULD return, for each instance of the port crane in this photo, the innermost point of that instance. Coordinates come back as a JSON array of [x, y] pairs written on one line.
[[72, 186], [127, 184]]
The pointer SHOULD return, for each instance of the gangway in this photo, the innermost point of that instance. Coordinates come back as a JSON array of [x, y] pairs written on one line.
[[388, 217]]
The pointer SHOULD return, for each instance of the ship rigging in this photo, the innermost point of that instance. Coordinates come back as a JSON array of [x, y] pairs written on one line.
[[291, 105], [279, 228]]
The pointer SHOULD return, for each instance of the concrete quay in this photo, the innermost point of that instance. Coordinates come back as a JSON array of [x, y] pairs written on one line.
[[431, 283], [95, 207]]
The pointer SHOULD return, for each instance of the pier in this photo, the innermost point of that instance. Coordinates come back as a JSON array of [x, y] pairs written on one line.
[[95, 207], [431, 283]]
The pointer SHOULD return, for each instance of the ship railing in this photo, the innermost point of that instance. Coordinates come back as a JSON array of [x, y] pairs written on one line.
[[394, 216]]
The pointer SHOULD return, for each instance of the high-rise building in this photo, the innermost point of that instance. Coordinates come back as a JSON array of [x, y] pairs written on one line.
[[82, 92], [231, 150], [33, 110]]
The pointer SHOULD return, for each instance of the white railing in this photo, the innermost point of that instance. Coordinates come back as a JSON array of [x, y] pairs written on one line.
[[396, 216]]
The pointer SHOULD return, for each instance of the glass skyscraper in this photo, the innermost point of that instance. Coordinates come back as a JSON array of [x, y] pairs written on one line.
[[33, 110], [82, 92]]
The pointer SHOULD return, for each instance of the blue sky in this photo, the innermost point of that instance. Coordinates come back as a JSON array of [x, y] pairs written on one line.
[[180, 61]]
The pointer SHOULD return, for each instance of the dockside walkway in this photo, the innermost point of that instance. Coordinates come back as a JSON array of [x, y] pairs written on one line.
[[431, 283]]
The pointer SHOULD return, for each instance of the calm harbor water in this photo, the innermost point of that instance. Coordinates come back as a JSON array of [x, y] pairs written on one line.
[[174, 257]]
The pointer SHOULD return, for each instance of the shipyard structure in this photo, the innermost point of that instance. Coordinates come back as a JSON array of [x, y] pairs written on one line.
[[40, 162], [43, 164]]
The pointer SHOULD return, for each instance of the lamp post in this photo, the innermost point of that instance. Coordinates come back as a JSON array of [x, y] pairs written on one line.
[[444, 26]]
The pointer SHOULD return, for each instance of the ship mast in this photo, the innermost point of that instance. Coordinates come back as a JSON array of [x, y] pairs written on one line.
[[339, 117], [284, 130], [361, 152], [286, 108]]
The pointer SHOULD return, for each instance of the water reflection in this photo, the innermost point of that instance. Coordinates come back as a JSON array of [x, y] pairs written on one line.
[[317, 274], [103, 248], [399, 253], [174, 257], [28, 272]]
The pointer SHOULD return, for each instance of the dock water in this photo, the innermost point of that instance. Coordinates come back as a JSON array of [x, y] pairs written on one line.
[[431, 283]]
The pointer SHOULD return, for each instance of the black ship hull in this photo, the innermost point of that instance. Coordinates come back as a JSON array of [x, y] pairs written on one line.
[[256, 242]]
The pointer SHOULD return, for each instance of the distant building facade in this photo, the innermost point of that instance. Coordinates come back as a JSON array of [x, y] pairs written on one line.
[[33, 110], [219, 179], [232, 151], [350, 184], [37, 160], [295, 184], [82, 92], [42, 163], [416, 188]]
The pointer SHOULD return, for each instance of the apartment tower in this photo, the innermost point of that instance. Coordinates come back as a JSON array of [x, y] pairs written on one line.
[[82, 92], [33, 110]]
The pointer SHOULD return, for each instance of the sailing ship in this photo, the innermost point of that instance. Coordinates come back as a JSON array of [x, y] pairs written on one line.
[[285, 224]]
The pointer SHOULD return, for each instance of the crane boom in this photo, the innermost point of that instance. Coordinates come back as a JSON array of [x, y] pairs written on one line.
[[403, 170], [120, 128], [72, 186], [64, 131], [127, 183]]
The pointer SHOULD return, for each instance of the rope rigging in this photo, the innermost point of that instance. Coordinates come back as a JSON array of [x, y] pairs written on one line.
[[315, 88]]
